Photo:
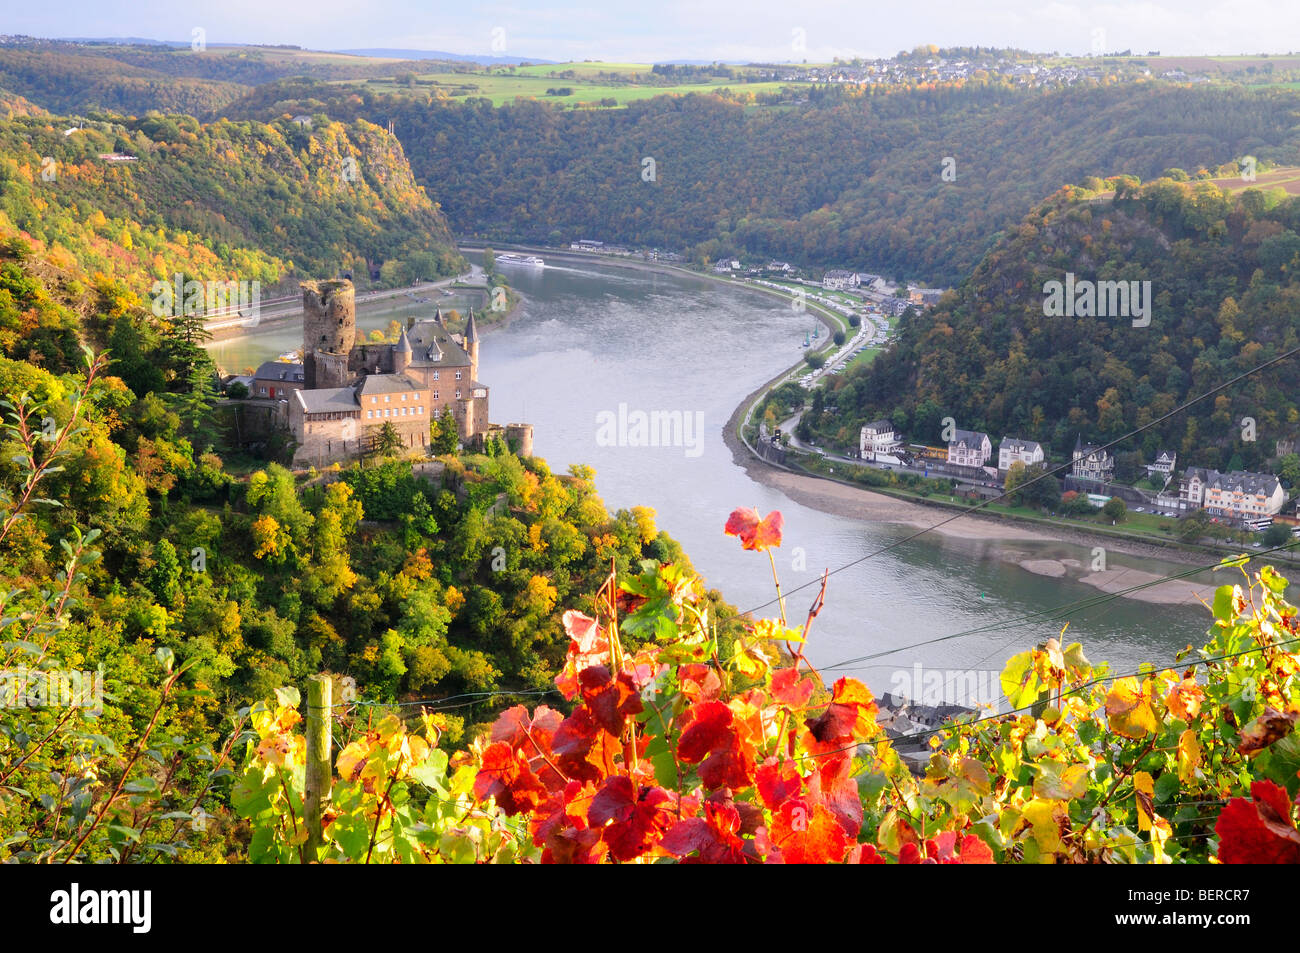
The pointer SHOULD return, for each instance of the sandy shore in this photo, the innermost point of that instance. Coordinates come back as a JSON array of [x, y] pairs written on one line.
[[862, 504]]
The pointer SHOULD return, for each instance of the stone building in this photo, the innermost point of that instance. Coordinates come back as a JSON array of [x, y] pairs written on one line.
[[351, 390]]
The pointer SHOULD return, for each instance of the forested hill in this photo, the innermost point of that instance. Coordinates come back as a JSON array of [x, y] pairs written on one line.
[[71, 77], [848, 180], [1225, 284], [139, 199]]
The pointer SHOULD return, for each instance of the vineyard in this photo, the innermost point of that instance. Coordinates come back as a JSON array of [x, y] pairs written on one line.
[[671, 752]]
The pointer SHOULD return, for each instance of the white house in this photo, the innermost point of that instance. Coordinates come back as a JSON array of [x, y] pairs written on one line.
[[840, 280], [1163, 464], [1012, 449], [969, 448], [1091, 462], [877, 440], [1235, 495]]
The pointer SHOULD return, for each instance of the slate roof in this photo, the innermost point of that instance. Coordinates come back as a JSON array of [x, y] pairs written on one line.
[[1016, 445], [970, 438], [327, 400], [280, 371], [386, 384], [433, 346], [1242, 481]]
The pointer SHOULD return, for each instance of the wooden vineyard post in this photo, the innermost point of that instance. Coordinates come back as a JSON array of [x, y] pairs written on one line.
[[319, 775]]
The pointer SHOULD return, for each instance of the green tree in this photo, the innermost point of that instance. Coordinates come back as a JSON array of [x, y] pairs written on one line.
[[444, 433], [1288, 468], [1194, 526], [387, 441], [1277, 534], [1115, 509], [1015, 479]]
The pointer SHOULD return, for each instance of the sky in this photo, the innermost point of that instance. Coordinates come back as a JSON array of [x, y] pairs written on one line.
[[659, 30]]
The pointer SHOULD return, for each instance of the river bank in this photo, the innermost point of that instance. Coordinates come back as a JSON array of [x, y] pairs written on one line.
[[1013, 541]]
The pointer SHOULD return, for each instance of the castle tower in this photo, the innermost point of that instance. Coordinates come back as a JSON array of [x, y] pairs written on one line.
[[471, 345], [520, 436], [402, 353], [329, 331]]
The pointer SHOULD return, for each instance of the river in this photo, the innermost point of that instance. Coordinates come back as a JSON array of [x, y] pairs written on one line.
[[590, 337]]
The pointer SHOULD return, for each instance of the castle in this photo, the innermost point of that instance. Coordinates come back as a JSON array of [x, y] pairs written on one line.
[[350, 391]]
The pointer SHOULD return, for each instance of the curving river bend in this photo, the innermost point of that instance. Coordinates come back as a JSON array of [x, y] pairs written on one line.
[[592, 336]]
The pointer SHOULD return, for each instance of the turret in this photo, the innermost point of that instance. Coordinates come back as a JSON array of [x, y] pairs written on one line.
[[402, 353], [471, 345]]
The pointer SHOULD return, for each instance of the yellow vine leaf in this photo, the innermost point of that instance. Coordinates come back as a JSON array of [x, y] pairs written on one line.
[[1128, 709], [1145, 789], [1189, 756], [1044, 817]]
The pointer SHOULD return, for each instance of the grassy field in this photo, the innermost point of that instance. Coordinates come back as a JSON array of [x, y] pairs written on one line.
[[505, 88], [1287, 179], [590, 83]]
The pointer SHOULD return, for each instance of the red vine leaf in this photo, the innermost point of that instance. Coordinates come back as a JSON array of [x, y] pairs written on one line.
[[633, 819], [790, 689], [1260, 831], [611, 700], [713, 836], [807, 833], [713, 739], [755, 532], [504, 774], [777, 782]]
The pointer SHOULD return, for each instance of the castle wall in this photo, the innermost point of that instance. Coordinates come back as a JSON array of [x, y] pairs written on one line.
[[324, 438]]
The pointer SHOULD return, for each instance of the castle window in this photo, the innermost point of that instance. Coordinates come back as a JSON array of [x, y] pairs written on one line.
[[458, 375], [435, 395], [387, 398], [458, 393], [369, 414], [435, 375]]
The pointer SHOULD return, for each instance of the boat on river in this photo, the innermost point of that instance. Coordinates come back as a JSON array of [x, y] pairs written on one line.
[[509, 259]]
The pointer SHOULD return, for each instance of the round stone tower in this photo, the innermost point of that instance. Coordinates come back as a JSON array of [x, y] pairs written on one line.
[[520, 437], [329, 331]]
